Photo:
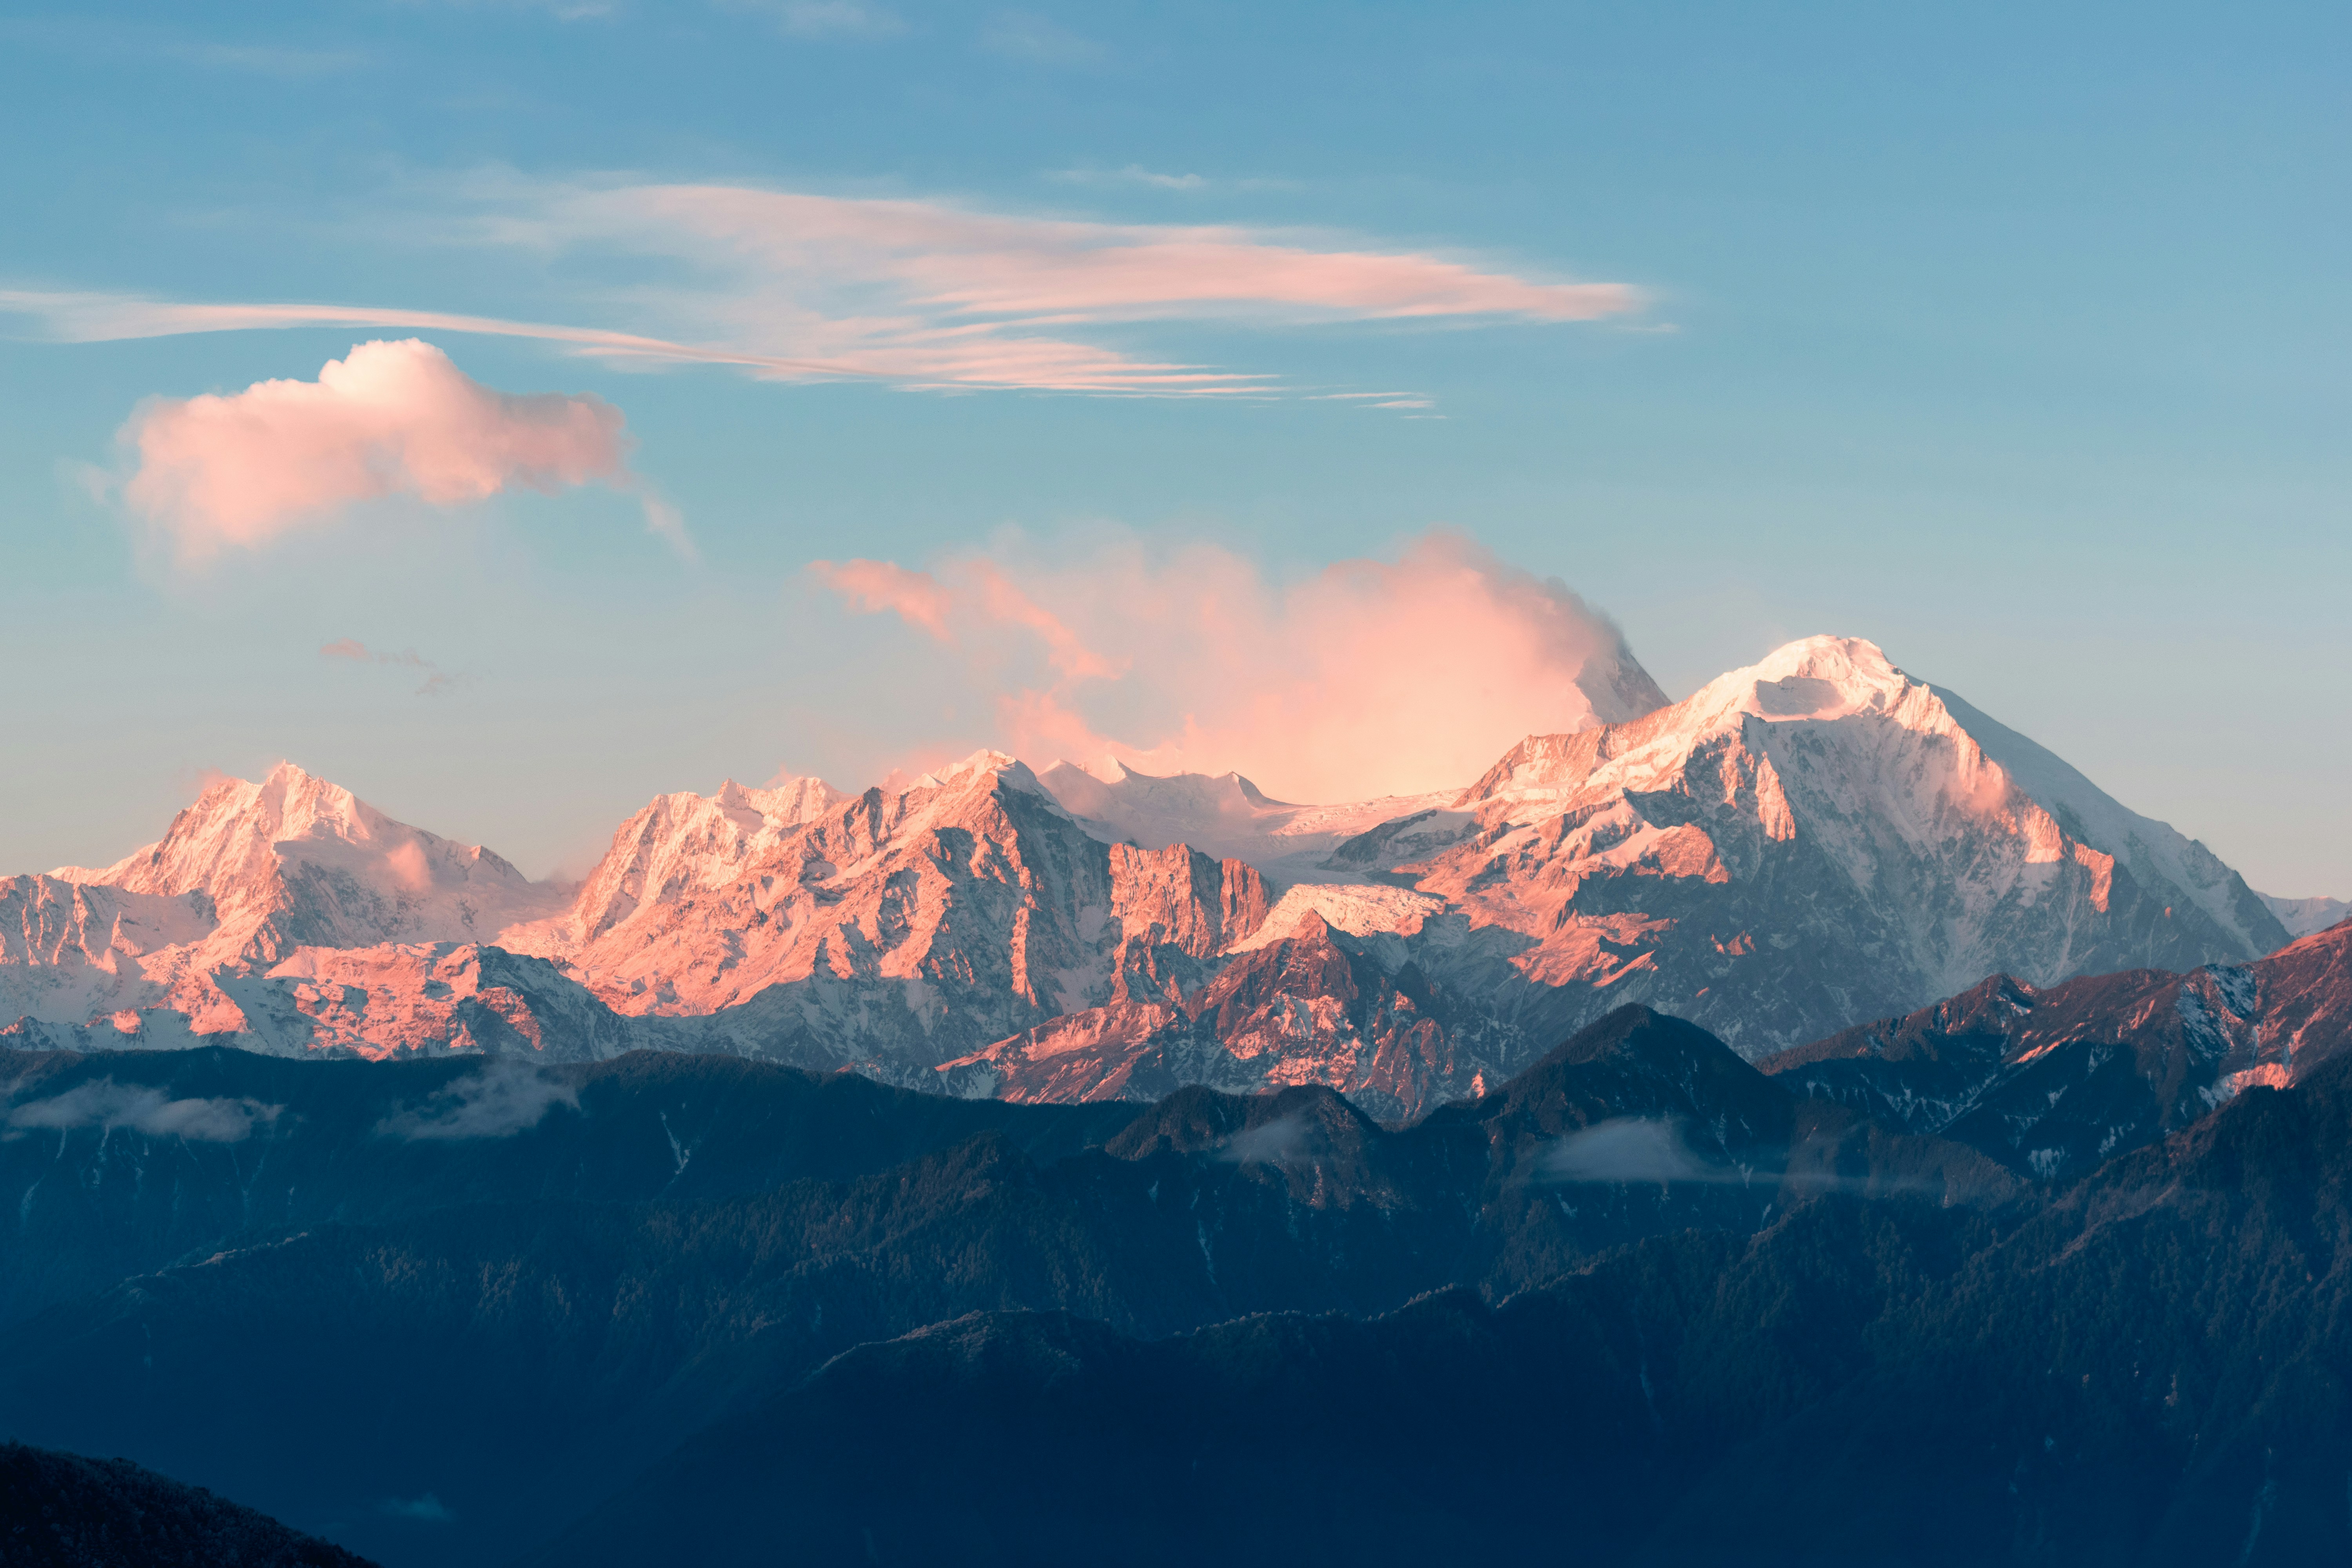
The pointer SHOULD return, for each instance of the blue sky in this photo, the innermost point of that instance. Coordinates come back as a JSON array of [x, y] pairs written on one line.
[[2010, 338]]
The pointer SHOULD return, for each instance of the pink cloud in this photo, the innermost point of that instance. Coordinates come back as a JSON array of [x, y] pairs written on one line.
[[389, 418], [982, 263], [798, 286], [872, 587], [1369, 677], [436, 679]]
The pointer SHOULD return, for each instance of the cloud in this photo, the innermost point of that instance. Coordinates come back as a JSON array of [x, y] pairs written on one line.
[[426, 1509], [1645, 1149], [140, 1109], [497, 1100], [1273, 1142], [1628, 1149], [1041, 40], [1368, 677], [1132, 175], [390, 418], [1137, 174], [826, 18], [113, 39], [436, 681], [796, 285]]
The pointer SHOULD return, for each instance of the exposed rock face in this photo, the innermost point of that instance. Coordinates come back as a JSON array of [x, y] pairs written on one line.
[[1315, 1005], [2059, 1080], [891, 932], [1814, 840]]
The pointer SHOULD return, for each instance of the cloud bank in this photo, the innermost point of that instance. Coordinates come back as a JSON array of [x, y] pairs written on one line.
[[1368, 677], [927, 293], [139, 1109], [238, 471]]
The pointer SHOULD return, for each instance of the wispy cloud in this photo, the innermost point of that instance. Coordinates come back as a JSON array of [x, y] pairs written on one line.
[[426, 1509], [1041, 40], [1371, 676], [355, 651], [1133, 174], [140, 1109], [389, 418], [795, 286], [116, 38], [848, 19], [1153, 179], [1274, 1143], [497, 1100], [1636, 1148]]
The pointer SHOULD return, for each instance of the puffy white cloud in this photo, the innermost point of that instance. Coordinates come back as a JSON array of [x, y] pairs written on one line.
[[389, 418]]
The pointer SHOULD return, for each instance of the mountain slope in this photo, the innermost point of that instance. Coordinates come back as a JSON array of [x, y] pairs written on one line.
[[2149, 1371], [2057, 1080], [1812, 840], [510, 1287], [60, 1511], [2302, 916], [896, 931]]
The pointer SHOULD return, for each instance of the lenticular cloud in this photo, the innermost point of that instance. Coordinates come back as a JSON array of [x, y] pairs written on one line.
[[1368, 677], [388, 419]]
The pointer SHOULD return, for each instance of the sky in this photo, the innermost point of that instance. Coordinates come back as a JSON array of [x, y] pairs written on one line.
[[514, 411]]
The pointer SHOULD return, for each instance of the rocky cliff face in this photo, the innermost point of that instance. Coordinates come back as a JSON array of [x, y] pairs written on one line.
[[1818, 839]]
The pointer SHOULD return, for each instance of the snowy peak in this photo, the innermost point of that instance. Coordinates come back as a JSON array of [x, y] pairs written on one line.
[[294, 859], [785, 803], [1819, 678], [2302, 916], [1617, 687]]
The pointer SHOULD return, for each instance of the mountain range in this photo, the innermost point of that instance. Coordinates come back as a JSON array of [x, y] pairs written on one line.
[[1798, 846], [703, 1309]]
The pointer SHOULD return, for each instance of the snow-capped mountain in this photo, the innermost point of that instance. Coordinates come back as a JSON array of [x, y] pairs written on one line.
[[1228, 816], [1813, 841], [2304, 916], [1799, 842], [250, 876], [889, 930]]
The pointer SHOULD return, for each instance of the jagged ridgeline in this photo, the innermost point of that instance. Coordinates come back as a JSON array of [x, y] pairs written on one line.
[[1800, 846]]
